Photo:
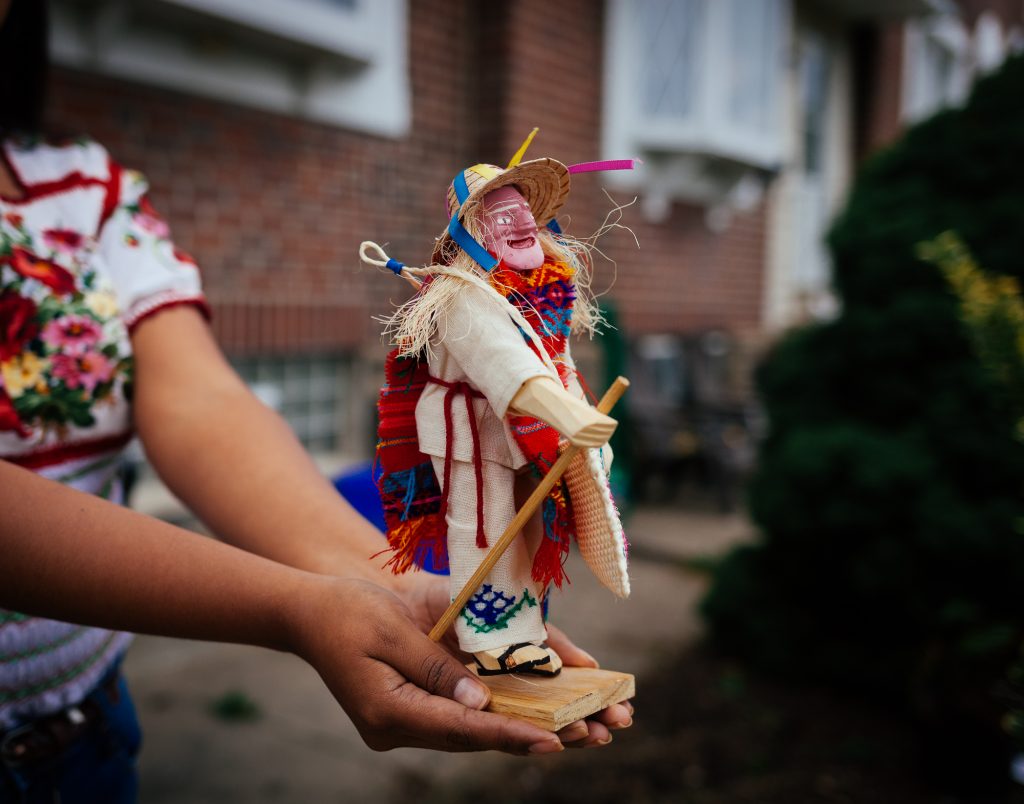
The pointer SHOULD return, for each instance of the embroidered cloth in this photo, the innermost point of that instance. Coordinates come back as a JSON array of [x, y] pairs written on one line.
[[83, 259]]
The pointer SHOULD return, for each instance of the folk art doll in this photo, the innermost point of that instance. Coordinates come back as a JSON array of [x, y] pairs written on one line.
[[481, 394]]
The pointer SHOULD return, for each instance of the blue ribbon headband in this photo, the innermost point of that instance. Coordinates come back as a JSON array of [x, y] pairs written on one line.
[[460, 235]]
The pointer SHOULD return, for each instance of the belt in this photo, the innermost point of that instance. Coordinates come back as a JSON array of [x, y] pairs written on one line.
[[47, 736], [454, 389]]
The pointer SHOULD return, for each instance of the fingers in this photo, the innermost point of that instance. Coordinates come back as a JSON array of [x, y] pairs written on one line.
[[429, 721], [616, 716], [597, 734], [426, 664], [434, 701], [572, 656]]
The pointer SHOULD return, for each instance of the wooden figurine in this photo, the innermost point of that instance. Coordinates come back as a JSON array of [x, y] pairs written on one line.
[[481, 399]]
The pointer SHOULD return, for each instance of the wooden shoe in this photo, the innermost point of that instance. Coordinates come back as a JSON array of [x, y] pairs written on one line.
[[553, 668], [522, 657]]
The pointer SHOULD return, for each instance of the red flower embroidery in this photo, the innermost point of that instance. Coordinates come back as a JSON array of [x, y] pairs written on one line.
[[18, 324], [14, 219], [184, 256], [48, 272], [146, 207], [63, 239], [9, 419]]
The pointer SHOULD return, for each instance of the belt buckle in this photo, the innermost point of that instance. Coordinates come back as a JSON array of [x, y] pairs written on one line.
[[37, 739], [15, 746]]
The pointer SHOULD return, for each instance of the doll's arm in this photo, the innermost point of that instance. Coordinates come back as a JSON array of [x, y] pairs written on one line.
[[481, 337], [574, 387], [545, 399]]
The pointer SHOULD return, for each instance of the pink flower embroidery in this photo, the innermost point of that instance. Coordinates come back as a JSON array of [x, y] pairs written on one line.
[[148, 219], [83, 371], [72, 334], [154, 226], [64, 240]]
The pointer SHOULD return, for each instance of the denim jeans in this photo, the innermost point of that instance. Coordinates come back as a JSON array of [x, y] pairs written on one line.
[[96, 768]]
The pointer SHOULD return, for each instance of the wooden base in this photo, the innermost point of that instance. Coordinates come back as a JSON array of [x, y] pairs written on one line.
[[553, 703]]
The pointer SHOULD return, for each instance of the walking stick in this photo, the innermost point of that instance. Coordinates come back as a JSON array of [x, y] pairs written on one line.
[[607, 402]]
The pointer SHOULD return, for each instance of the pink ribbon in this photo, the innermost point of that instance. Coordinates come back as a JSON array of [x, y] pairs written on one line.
[[606, 164]]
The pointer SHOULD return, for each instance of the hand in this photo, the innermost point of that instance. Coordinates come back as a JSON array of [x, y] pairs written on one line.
[[398, 687], [427, 597], [596, 729]]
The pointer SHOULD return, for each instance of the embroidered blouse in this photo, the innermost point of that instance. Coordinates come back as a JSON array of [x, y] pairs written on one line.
[[83, 259]]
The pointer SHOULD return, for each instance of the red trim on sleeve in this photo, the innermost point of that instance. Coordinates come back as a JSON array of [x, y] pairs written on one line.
[[198, 302], [48, 456]]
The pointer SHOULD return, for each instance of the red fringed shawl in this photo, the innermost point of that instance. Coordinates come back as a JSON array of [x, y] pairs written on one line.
[[410, 491]]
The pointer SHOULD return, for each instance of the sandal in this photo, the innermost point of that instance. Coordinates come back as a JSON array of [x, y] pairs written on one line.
[[522, 657]]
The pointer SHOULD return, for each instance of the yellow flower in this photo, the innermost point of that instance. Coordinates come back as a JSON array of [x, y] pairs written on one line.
[[22, 372], [103, 304]]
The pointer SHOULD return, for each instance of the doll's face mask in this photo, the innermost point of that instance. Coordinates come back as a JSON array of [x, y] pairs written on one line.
[[509, 230]]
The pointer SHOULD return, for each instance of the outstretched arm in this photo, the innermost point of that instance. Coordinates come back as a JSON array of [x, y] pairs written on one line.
[[234, 461], [75, 557]]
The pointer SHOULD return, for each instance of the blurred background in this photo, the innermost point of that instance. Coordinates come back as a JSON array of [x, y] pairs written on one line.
[[820, 458]]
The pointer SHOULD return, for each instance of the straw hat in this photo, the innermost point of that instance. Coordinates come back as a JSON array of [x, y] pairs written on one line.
[[543, 182]]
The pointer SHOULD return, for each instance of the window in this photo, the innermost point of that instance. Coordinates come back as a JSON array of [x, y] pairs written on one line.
[[343, 62], [936, 66], [308, 391], [694, 88]]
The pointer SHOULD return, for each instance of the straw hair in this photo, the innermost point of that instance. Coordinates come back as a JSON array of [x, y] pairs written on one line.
[[543, 182]]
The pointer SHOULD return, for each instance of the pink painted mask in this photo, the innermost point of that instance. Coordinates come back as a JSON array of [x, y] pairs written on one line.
[[509, 229]]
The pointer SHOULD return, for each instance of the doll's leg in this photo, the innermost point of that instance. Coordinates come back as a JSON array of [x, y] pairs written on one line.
[[505, 610]]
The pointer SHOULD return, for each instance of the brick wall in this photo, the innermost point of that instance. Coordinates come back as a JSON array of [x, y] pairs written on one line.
[[683, 278], [274, 208]]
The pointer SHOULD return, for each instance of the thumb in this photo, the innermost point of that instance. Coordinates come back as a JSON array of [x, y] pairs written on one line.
[[427, 665]]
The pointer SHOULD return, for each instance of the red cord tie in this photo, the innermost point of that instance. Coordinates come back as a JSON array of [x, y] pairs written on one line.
[[454, 389]]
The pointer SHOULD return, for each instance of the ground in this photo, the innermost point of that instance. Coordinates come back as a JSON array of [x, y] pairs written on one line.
[[230, 723]]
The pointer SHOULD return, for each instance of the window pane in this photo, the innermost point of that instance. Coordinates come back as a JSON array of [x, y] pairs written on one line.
[[669, 40], [754, 45]]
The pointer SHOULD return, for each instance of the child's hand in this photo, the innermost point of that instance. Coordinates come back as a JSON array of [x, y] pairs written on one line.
[[398, 687]]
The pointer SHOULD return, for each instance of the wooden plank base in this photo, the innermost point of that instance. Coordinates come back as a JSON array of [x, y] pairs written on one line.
[[553, 703]]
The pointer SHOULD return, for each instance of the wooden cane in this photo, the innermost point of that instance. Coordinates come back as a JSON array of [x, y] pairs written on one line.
[[607, 402]]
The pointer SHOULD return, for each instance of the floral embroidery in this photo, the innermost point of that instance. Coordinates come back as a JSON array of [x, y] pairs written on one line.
[[63, 348], [490, 610], [18, 324], [48, 272]]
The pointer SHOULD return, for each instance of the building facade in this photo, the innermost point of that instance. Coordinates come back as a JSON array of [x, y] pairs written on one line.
[[278, 135]]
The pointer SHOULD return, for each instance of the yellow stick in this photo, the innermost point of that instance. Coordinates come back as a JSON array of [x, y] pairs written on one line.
[[519, 522]]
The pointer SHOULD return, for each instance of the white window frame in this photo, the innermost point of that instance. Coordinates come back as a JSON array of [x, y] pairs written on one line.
[[681, 149], [924, 93], [323, 62]]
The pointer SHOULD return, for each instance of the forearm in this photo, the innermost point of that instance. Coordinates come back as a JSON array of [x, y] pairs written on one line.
[[235, 462], [74, 557], [262, 494]]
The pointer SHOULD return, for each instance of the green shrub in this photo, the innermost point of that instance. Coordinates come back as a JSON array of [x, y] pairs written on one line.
[[890, 482]]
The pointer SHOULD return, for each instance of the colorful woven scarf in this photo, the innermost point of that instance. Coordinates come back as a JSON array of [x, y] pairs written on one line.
[[409, 490]]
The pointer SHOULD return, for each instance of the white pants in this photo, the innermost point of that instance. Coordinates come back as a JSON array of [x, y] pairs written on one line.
[[507, 607]]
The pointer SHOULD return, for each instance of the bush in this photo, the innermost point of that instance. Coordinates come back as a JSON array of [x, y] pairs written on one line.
[[890, 482]]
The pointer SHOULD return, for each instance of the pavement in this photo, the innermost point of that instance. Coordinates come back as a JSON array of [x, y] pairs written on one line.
[[298, 745]]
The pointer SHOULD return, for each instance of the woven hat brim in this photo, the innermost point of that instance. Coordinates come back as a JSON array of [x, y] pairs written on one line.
[[543, 182]]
